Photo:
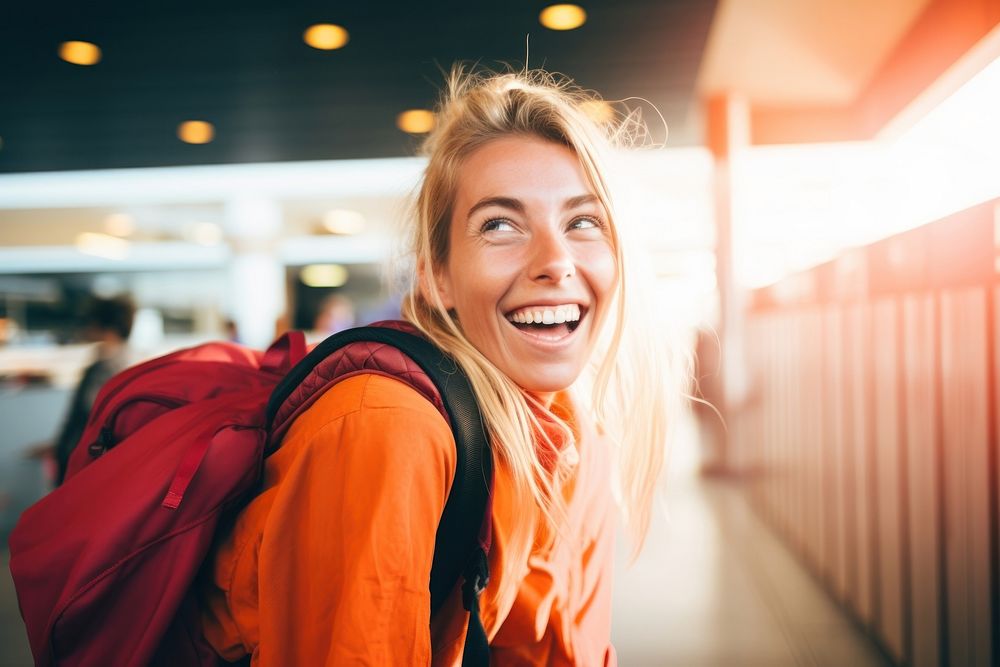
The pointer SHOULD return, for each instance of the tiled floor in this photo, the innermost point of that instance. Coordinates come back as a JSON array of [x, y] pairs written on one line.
[[713, 587]]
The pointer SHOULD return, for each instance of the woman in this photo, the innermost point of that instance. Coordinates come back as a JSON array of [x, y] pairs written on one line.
[[520, 276]]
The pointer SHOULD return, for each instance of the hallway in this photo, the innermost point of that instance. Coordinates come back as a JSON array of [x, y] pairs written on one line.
[[715, 587]]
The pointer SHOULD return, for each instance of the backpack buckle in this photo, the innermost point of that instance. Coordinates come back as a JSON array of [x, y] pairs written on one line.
[[477, 578]]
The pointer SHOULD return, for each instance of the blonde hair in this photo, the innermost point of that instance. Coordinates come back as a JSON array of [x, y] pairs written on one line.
[[628, 370]]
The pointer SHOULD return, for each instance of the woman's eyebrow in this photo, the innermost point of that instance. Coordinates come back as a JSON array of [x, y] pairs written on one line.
[[518, 205], [503, 202], [580, 200]]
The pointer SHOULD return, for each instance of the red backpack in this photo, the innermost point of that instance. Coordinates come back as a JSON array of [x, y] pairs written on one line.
[[104, 565]]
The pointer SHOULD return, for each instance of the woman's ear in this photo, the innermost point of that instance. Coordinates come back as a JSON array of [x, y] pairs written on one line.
[[433, 282]]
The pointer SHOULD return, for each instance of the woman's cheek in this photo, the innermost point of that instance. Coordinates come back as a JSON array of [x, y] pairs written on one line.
[[603, 270]]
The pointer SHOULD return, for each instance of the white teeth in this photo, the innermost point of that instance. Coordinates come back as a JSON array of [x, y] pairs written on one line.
[[552, 315]]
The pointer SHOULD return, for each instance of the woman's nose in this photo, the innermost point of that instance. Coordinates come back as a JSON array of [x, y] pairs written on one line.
[[551, 258]]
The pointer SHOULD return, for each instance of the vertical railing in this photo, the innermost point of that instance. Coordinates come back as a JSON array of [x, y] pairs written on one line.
[[870, 438]]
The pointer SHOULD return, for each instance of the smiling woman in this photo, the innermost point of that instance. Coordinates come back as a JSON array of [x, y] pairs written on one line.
[[520, 278]]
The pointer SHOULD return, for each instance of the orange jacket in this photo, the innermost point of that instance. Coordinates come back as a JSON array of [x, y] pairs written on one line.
[[330, 564]]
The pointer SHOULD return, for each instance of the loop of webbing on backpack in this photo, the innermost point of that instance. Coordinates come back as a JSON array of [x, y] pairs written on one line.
[[284, 353], [185, 472]]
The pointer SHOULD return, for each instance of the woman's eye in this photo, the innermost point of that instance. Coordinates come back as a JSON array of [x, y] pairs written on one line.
[[585, 223], [498, 225]]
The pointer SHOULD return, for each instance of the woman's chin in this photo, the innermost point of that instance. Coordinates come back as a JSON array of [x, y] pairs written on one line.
[[545, 383]]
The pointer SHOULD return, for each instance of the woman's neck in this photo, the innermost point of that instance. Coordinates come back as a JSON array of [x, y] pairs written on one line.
[[543, 398]]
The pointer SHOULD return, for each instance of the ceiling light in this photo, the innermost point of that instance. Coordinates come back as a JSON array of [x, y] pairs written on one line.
[[119, 224], [415, 121], [204, 233], [343, 221], [102, 245], [326, 36], [563, 17], [324, 275], [80, 53], [196, 132], [598, 111]]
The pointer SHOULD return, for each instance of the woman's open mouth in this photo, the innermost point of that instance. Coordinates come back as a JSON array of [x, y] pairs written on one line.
[[547, 322]]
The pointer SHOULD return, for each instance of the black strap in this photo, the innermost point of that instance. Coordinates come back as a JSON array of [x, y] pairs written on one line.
[[458, 532], [477, 576]]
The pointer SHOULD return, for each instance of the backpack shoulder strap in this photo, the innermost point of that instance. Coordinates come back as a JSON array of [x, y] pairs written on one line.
[[462, 534]]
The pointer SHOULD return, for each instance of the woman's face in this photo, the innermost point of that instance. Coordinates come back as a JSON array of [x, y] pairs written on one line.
[[531, 269]]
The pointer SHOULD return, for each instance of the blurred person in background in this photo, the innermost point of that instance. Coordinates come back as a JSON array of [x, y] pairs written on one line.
[[335, 313], [232, 332], [108, 322]]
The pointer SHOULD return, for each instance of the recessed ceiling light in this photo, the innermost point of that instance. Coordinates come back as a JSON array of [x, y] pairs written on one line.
[[415, 121], [343, 221], [563, 17], [204, 233], [119, 224], [80, 53], [196, 132], [324, 275], [326, 36], [102, 245]]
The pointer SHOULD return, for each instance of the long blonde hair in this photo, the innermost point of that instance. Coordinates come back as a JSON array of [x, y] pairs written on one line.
[[628, 374]]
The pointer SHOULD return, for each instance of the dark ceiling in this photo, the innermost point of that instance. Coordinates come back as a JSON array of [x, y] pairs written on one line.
[[244, 67]]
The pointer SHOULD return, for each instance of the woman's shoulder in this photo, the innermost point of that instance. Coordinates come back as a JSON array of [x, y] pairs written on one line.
[[365, 422], [370, 395]]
